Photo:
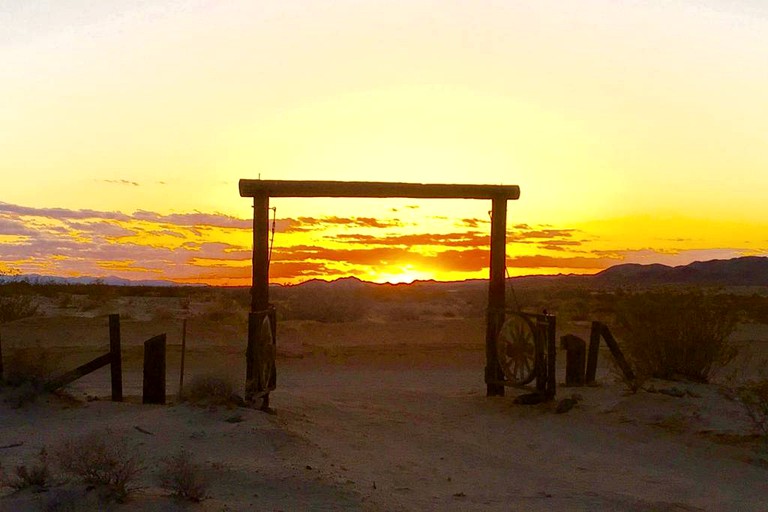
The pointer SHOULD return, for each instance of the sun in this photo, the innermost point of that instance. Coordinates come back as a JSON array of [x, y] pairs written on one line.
[[400, 275]]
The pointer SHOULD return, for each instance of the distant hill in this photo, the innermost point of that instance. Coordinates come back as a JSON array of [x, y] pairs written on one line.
[[111, 280], [745, 271]]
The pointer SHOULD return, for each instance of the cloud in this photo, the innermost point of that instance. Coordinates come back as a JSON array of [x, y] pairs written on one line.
[[312, 223], [60, 213], [467, 239], [196, 219], [14, 227], [121, 182], [198, 246], [469, 260], [531, 234], [474, 223], [576, 263]]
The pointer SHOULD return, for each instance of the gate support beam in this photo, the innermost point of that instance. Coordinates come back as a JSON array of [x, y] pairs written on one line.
[[495, 317], [259, 282], [260, 279]]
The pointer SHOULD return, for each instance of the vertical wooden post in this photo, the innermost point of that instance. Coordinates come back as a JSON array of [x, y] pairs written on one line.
[[1, 357], [183, 354], [116, 358], [496, 301], [154, 370], [551, 356], [594, 348], [575, 359], [260, 280]]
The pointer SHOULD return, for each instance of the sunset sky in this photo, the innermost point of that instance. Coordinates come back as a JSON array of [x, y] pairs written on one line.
[[636, 130]]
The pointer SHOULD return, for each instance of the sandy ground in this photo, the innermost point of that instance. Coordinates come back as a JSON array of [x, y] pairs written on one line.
[[379, 418]]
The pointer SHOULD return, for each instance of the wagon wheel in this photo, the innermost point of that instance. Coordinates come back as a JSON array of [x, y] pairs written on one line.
[[265, 355], [516, 348]]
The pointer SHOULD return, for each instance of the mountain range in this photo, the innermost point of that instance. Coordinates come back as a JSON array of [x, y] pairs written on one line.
[[743, 271]]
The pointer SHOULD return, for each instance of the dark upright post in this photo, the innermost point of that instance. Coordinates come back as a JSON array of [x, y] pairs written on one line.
[[183, 354], [1, 358], [594, 349], [495, 316], [575, 358], [154, 370], [260, 280], [551, 356], [116, 358]]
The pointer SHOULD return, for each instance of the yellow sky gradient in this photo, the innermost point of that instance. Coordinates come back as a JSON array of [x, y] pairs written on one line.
[[640, 128]]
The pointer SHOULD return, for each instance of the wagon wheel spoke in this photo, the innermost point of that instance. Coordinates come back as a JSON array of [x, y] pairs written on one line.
[[516, 348]]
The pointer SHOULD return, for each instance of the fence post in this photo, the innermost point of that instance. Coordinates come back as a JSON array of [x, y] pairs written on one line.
[[154, 370], [183, 353], [1, 357], [551, 356], [116, 358], [575, 350], [594, 348]]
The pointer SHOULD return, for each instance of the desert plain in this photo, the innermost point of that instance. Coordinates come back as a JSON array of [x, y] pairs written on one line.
[[380, 406]]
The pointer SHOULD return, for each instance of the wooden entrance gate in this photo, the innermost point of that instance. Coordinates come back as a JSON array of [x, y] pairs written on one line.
[[261, 369]]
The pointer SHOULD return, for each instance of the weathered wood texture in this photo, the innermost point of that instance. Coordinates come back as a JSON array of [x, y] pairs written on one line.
[[154, 370], [575, 359], [496, 299], [260, 266], [594, 349], [260, 368], [551, 356], [78, 372], [1, 357], [600, 330], [280, 188], [116, 359], [618, 355], [183, 355]]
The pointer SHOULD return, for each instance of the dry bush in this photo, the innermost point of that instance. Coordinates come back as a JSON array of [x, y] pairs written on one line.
[[326, 305], [33, 366], [102, 459], [16, 307], [28, 371], [677, 335], [185, 479], [37, 476], [220, 308], [754, 397], [207, 390]]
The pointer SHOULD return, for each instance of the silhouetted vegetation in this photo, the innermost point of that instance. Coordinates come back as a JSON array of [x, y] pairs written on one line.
[[102, 459], [677, 335], [183, 477]]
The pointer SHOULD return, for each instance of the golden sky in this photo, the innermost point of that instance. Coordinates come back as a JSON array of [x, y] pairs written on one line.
[[637, 132]]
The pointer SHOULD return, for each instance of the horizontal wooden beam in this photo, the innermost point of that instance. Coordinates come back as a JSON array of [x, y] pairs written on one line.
[[282, 188], [80, 371]]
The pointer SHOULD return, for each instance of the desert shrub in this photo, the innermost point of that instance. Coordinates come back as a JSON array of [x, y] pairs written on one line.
[[183, 477], [16, 307], [222, 308], [37, 475], [28, 371], [209, 390], [403, 313], [102, 459], [754, 397], [326, 305], [677, 335]]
